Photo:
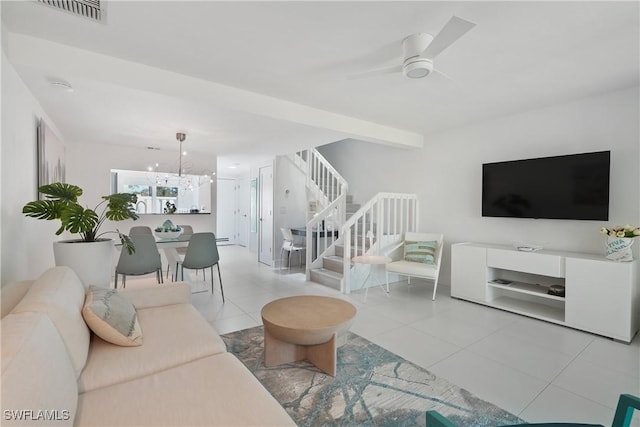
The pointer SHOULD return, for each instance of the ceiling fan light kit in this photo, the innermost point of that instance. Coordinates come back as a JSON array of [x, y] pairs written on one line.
[[417, 68], [414, 65], [420, 49]]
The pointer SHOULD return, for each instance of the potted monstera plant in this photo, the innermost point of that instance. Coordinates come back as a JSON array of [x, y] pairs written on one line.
[[91, 254]]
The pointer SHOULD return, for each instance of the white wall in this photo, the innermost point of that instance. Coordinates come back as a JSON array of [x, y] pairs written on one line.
[[290, 203], [289, 209], [446, 174], [26, 243]]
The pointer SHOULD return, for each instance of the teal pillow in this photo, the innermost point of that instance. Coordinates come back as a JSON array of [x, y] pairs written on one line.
[[423, 252]]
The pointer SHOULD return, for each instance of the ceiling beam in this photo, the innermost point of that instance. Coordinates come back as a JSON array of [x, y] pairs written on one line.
[[64, 61]]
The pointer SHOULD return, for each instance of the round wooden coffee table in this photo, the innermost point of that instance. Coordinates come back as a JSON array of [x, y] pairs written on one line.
[[308, 327]]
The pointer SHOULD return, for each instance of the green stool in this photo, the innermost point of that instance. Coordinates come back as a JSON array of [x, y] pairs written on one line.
[[622, 418], [626, 404]]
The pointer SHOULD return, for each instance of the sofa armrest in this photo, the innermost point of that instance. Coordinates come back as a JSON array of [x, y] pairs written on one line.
[[158, 295], [12, 294]]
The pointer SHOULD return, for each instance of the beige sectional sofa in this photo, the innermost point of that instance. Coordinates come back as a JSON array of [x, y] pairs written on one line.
[[55, 371]]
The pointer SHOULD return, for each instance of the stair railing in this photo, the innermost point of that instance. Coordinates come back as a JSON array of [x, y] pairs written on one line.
[[329, 188], [321, 177], [387, 216], [323, 232]]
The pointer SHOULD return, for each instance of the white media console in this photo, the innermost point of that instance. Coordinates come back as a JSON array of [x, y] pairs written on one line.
[[601, 296]]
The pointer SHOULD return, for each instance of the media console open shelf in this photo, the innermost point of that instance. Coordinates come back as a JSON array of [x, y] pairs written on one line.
[[601, 296], [527, 288]]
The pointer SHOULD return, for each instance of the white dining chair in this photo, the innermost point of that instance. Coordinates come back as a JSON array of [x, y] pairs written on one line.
[[289, 245]]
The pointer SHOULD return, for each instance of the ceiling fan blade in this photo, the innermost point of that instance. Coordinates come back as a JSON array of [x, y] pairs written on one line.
[[446, 79], [377, 72], [452, 31], [446, 76]]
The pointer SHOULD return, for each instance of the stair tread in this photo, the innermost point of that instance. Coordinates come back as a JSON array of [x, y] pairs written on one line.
[[326, 272]]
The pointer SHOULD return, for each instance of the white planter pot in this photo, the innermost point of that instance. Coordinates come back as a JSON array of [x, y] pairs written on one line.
[[619, 248], [92, 261]]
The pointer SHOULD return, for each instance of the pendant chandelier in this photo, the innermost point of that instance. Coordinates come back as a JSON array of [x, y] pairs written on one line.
[[180, 136], [181, 180]]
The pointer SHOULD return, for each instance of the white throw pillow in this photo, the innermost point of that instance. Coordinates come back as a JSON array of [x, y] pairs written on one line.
[[112, 317]]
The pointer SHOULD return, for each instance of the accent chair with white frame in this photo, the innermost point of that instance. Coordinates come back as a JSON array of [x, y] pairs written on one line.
[[422, 254]]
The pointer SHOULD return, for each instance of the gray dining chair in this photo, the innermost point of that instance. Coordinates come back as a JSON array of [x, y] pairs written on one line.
[[187, 230], [145, 260], [202, 253], [140, 229]]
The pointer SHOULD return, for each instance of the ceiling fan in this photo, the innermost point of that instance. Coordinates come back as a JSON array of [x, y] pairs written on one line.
[[420, 49]]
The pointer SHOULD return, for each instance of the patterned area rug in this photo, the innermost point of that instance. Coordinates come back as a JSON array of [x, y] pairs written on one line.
[[373, 387]]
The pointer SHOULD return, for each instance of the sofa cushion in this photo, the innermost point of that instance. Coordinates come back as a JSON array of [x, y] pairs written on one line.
[[60, 295], [155, 296], [38, 378], [12, 294], [112, 317], [173, 334], [423, 252], [213, 391]]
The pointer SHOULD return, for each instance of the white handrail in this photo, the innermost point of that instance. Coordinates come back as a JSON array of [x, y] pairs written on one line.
[[330, 189], [322, 232], [385, 215], [322, 176]]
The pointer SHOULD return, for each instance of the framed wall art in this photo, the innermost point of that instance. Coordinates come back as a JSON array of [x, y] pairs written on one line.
[[51, 156]]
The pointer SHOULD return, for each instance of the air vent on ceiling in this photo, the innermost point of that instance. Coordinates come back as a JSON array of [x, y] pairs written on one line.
[[92, 9]]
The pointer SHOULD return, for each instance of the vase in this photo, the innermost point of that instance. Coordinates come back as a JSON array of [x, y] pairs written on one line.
[[92, 261], [619, 248]]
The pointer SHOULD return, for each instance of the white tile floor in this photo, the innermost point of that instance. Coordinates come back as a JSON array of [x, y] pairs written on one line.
[[536, 370]]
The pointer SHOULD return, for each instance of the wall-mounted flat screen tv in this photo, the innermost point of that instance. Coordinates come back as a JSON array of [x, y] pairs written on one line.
[[574, 186]]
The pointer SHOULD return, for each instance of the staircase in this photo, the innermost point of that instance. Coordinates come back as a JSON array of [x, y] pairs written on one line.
[[331, 272], [328, 189], [378, 225], [384, 218]]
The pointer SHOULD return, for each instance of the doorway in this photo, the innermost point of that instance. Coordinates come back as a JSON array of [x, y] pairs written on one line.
[[265, 215], [226, 219], [244, 198]]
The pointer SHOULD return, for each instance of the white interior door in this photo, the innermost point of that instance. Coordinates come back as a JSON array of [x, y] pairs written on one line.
[[265, 215], [243, 194], [226, 221]]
